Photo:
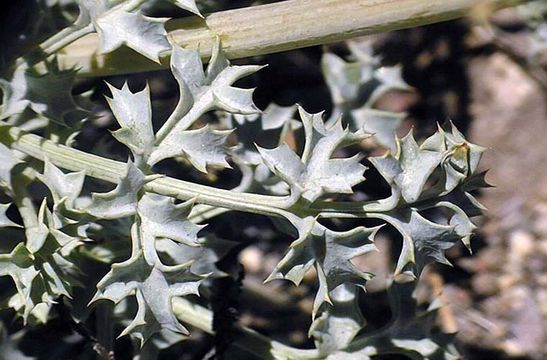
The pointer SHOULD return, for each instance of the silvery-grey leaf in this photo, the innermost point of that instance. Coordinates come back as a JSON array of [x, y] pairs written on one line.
[[143, 34], [316, 172], [47, 93], [133, 112], [154, 288], [201, 147], [189, 5], [330, 252], [62, 186], [120, 202], [382, 124], [161, 218]]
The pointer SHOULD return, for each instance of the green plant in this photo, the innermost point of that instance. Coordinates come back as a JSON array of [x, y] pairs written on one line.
[[146, 231]]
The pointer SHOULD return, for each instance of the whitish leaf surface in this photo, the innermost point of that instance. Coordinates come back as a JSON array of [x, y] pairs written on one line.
[[133, 112], [330, 252], [203, 257], [423, 240], [202, 91], [154, 288], [382, 124], [161, 218], [408, 171], [202, 147], [63, 187], [447, 152], [189, 5], [19, 265], [410, 333], [48, 94], [122, 201], [338, 325], [316, 172], [7, 162], [143, 34], [116, 27]]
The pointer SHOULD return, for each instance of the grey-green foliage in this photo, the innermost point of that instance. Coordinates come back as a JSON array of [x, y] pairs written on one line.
[[355, 87], [154, 247]]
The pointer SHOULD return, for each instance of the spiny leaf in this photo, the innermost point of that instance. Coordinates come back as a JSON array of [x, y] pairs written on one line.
[[408, 171], [349, 82], [161, 218], [423, 240], [122, 201], [316, 173], [48, 94], [189, 5], [19, 265], [203, 257], [343, 78], [410, 333], [66, 187], [382, 124], [116, 27], [154, 287], [201, 92], [133, 112], [338, 325], [330, 252], [202, 147], [7, 161]]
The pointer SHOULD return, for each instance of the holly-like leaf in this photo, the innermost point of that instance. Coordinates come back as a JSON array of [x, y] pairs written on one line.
[[154, 288], [201, 92], [408, 171], [19, 265], [48, 94], [161, 218], [316, 172], [143, 34], [423, 240], [409, 333], [202, 147], [122, 201], [63, 187], [203, 257], [337, 326], [330, 252], [116, 27], [133, 112], [344, 79]]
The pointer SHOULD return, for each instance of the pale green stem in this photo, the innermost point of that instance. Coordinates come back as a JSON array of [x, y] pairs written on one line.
[[111, 171], [72, 33], [24, 202]]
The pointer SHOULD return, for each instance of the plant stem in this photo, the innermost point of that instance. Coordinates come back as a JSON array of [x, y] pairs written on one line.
[[112, 171], [246, 339], [72, 33], [277, 27]]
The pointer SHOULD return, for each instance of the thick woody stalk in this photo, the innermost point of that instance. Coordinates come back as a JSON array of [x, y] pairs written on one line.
[[276, 27]]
